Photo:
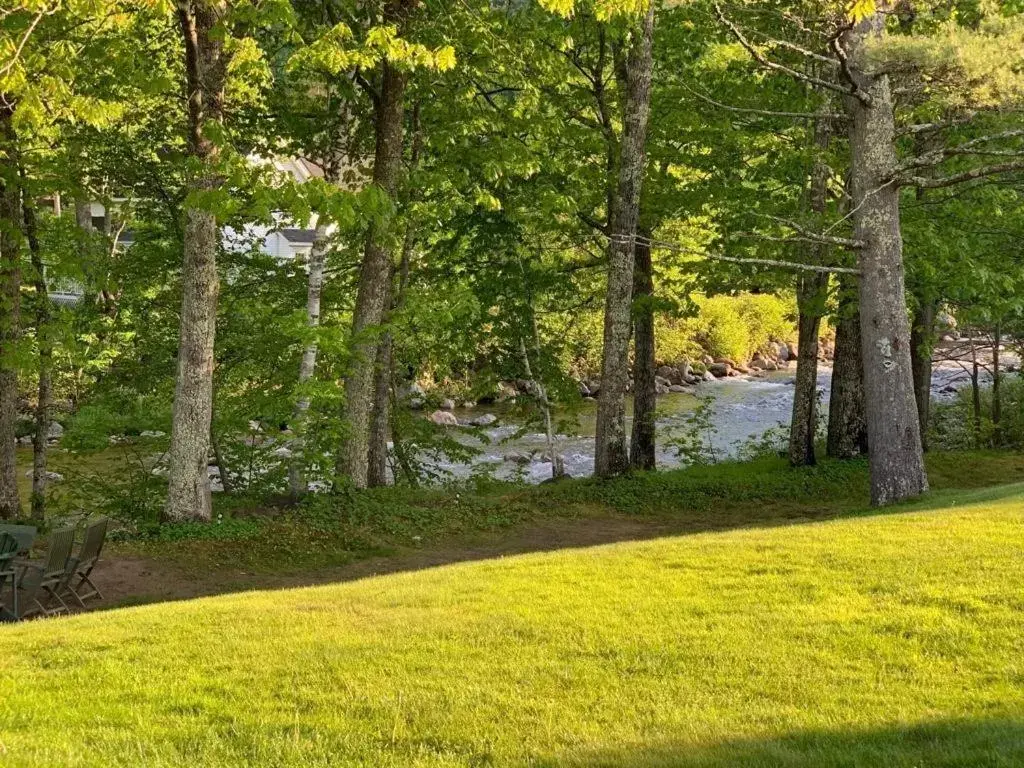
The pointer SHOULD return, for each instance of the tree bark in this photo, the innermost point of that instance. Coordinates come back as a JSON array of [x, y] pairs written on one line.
[[611, 455], [373, 298], [10, 309], [45, 365], [922, 340], [380, 418], [894, 435], [188, 496], [997, 387], [811, 294], [297, 483], [642, 446], [847, 424]]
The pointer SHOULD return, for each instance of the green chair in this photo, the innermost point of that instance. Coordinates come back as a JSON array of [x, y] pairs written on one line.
[[81, 566], [8, 570], [24, 534], [41, 583]]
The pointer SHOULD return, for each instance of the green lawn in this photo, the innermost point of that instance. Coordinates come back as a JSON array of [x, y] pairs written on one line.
[[872, 640]]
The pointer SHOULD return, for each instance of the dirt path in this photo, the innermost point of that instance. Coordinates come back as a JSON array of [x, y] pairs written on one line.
[[129, 580]]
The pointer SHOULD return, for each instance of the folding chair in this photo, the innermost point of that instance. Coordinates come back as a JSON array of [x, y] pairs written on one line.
[[41, 583], [9, 546], [88, 556]]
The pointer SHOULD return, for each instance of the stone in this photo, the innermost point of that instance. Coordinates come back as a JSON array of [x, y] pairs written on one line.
[[668, 373], [25, 440], [770, 365], [505, 391], [152, 433], [55, 432], [444, 419], [661, 388], [781, 351], [485, 420], [469, 404], [518, 457], [416, 403], [707, 360], [720, 369], [447, 404], [51, 477], [709, 376], [284, 452], [679, 389], [758, 363], [584, 389], [594, 385], [792, 351]]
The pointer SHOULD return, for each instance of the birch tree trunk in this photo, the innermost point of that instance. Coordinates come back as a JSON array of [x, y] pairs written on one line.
[[894, 436], [45, 365], [642, 446], [847, 425], [611, 455], [10, 308], [188, 496], [373, 298], [314, 288]]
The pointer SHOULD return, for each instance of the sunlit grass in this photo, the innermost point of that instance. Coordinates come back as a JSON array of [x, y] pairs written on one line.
[[892, 640]]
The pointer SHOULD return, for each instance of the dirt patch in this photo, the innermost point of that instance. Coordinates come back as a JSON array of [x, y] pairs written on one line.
[[129, 580]]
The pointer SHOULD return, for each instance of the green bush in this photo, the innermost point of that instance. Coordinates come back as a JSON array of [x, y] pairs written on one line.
[[953, 425]]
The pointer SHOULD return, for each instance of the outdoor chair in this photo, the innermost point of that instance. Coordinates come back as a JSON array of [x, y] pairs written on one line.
[[81, 566], [41, 583], [25, 535], [8, 570]]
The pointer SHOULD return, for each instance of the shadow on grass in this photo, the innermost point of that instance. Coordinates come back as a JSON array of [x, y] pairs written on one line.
[[991, 743], [574, 515]]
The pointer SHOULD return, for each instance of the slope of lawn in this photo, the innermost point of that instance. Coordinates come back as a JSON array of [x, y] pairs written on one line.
[[874, 640]]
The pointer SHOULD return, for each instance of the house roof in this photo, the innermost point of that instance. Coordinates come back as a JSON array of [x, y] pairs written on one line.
[[299, 236]]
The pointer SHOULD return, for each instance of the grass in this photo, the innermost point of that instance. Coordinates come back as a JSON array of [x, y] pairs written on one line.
[[335, 531], [875, 639]]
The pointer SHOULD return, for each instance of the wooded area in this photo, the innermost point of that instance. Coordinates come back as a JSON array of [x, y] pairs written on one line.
[[479, 189]]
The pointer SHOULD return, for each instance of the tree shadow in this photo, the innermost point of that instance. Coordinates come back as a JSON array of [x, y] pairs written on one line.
[[966, 743]]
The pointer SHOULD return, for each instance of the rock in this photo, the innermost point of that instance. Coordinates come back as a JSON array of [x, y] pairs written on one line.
[[255, 426], [522, 385], [782, 351], [469, 404], [55, 432], [661, 388], [769, 365], [758, 363], [51, 477], [791, 351], [709, 376], [415, 390], [719, 369], [518, 457], [945, 321], [707, 360], [152, 433], [284, 452], [447, 404], [663, 381], [505, 391], [416, 403], [668, 373], [485, 420], [444, 419], [679, 389], [594, 385], [25, 440], [584, 389]]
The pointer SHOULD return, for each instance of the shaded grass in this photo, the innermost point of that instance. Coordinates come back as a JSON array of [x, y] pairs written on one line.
[[334, 531], [889, 639]]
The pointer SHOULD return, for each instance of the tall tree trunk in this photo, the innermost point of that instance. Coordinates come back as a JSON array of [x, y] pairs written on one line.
[[380, 418], [314, 288], [847, 424], [188, 496], [373, 298], [997, 387], [894, 435], [611, 454], [10, 308], [811, 294], [922, 340], [642, 446], [45, 366]]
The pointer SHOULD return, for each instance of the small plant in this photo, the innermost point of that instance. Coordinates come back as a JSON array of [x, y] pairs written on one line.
[[695, 443]]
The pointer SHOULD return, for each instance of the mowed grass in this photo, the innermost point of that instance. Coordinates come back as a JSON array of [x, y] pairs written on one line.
[[874, 640]]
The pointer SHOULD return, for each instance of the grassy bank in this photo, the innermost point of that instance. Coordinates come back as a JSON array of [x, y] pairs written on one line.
[[877, 639], [333, 531]]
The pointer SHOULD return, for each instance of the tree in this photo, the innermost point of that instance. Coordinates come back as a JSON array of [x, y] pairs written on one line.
[[611, 455], [206, 65]]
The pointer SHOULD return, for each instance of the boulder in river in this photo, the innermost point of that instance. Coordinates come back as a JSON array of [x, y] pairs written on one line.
[[485, 420], [444, 419], [679, 389], [447, 404], [518, 457], [720, 369]]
